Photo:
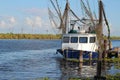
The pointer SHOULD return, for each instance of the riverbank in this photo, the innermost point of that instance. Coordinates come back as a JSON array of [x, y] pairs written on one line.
[[29, 36], [37, 36], [115, 38]]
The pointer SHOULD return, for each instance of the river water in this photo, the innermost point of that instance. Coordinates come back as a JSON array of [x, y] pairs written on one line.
[[37, 59]]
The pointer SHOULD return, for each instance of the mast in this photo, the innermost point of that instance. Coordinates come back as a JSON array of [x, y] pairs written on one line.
[[99, 29], [64, 20], [99, 33], [67, 16]]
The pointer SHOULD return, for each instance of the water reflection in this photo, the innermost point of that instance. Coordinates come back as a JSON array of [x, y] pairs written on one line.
[[113, 68], [70, 69], [110, 68]]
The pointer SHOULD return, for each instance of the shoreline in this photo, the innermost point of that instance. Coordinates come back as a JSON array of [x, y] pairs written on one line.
[[39, 36], [30, 36]]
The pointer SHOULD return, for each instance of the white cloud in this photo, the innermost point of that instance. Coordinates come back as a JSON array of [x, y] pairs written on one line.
[[2, 23], [38, 21], [7, 21], [29, 21], [12, 20], [35, 21]]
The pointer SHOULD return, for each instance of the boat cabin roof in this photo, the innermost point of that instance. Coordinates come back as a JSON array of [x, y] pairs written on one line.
[[79, 35]]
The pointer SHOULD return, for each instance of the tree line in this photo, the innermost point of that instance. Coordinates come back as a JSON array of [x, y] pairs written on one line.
[[38, 36], [115, 38], [29, 36]]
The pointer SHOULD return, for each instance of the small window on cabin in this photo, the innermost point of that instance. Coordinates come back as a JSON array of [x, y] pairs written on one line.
[[74, 39], [92, 39], [65, 39], [83, 39]]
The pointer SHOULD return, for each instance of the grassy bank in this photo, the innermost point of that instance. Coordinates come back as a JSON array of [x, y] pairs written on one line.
[[115, 38], [36, 36], [29, 36]]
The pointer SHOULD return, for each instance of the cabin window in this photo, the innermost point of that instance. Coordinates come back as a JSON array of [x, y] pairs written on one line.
[[83, 39], [65, 39], [92, 39], [74, 39]]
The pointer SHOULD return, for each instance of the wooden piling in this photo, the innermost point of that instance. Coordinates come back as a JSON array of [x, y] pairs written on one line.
[[104, 54], [90, 58], [80, 59], [99, 68], [80, 65], [98, 76], [81, 56]]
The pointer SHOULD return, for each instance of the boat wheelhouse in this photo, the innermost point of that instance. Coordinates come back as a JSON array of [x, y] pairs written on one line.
[[72, 44], [84, 42]]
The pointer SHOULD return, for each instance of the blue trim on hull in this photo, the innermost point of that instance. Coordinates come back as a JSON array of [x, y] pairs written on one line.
[[76, 53]]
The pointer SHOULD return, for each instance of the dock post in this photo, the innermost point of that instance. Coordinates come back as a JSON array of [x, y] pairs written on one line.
[[80, 59], [81, 56], [99, 66], [80, 65], [90, 57], [104, 55]]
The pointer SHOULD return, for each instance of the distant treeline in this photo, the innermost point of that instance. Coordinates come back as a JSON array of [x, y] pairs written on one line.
[[37, 36], [115, 38], [29, 36]]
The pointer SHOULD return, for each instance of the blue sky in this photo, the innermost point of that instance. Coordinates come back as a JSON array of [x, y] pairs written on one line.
[[31, 16]]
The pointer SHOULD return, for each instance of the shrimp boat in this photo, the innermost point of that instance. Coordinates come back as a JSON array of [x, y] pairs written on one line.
[[80, 34]]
